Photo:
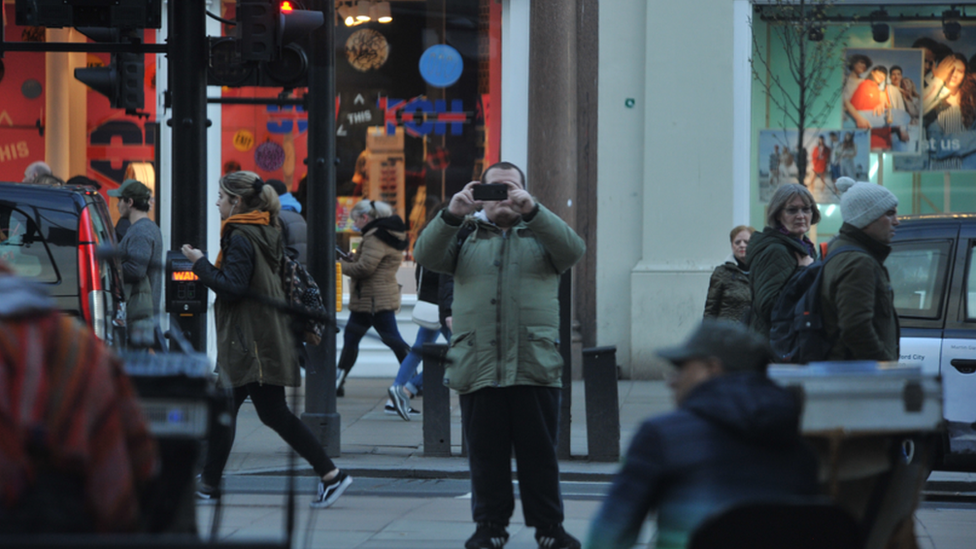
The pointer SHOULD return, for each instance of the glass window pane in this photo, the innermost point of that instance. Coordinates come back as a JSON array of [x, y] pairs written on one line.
[[918, 275], [22, 247]]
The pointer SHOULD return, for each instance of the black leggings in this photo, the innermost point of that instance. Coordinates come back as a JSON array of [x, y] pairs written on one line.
[[269, 401]]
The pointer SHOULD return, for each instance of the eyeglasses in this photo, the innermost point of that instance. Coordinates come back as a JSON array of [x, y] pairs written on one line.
[[793, 211]]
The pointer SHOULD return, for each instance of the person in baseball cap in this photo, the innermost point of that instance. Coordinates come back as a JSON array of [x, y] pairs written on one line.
[[132, 189], [734, 437]]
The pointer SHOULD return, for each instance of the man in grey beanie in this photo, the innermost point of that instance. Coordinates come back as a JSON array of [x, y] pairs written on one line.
[[856, 295]]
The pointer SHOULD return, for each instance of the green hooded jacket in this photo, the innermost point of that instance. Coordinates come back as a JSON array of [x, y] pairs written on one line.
[[506, 304]]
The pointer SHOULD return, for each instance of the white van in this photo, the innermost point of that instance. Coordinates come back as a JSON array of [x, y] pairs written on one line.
[[933, 272]]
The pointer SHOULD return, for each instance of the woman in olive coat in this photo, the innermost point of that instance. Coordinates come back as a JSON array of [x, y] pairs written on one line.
[[254, 345]]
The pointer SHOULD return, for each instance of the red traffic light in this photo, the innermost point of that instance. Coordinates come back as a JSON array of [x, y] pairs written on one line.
[[286, 7]]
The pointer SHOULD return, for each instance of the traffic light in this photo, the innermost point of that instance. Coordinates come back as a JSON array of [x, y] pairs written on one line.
[[136, 14], [268, 49], [122, 80]]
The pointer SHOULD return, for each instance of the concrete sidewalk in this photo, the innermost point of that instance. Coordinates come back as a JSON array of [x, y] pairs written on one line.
[[375, 443]]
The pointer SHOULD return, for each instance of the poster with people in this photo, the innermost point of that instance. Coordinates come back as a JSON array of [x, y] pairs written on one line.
[[948, 96], [881, 93], [830, 154]]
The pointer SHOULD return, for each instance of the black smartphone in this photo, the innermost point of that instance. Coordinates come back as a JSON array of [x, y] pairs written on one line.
[[342, 254], [490, 191]]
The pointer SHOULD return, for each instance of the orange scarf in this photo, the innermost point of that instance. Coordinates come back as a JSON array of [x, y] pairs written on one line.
[[250, 218]]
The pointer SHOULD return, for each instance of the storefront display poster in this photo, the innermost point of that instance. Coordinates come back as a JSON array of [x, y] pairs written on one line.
[[948, 100], [881, 93], [830, 154]]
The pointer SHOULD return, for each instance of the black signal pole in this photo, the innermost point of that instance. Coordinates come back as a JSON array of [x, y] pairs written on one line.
[[187, 79], [320, 398]]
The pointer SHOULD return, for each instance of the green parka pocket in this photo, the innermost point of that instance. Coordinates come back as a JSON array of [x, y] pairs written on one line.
[[462, 368], [540, 361]]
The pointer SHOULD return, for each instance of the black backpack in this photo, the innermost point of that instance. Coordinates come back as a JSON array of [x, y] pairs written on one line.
[[797, 333], [303, 293]]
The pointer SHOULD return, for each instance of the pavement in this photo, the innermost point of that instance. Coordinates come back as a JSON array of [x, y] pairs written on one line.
[[376, 444], [402, 499]]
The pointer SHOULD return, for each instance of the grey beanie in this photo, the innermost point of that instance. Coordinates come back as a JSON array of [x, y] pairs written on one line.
[[862, 202]]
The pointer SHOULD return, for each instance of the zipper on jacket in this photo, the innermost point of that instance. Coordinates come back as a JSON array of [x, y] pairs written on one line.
[[499, 330], [260, 366]]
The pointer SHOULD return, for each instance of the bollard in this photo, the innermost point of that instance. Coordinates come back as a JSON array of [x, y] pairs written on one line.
[[602, 406], [437, 403]]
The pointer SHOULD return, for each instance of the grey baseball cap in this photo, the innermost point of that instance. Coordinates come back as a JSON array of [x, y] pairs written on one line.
[[739, 349]]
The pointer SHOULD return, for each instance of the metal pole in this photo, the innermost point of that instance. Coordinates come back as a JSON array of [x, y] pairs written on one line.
[[187, 84], [320, 398]]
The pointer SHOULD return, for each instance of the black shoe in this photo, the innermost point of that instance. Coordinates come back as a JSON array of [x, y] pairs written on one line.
[[555, 537], [391, 411], [340, 381], [327, 494], [487, 536], [205, 491]]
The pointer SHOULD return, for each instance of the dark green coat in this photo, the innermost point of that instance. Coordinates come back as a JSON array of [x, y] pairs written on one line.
[[771, 259], [729, 296], [858, 301], [254, 342]]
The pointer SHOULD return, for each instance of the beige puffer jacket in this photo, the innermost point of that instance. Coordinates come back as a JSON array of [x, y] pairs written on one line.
[[374, 268]]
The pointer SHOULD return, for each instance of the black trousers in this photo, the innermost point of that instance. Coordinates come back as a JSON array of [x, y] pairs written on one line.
[[495, 421], [359, 323], [269, 401]]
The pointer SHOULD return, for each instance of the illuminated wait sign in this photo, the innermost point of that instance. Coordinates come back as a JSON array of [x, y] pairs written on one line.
[[184, 276]]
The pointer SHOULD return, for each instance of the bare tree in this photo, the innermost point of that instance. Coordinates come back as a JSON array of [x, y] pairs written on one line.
[[799, 28]]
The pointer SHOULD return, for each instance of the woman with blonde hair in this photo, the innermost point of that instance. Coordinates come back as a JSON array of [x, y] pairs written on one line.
[[254, 344], [729, 296], [375, 294]]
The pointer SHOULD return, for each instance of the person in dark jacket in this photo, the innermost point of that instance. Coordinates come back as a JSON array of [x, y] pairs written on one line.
[[856, 295], [293, 227], [779, 250], [729, 296], [254, 345], [859, 316], [733, 438]]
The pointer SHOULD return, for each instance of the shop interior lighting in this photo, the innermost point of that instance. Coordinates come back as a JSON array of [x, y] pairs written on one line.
[[382, 12], [362, 11], [347, 15], [950, 24], [880, 30]]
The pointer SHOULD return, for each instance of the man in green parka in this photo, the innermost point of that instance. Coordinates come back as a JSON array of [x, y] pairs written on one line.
[[504, 359]]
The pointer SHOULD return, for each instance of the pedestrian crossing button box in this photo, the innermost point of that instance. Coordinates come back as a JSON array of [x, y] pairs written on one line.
[[185, 293]]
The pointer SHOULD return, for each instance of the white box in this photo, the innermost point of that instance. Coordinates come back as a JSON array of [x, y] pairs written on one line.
[[864, 397]]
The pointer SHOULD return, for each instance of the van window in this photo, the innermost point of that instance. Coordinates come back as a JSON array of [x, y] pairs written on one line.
[[918, 273], [22, 246], [971, 286]]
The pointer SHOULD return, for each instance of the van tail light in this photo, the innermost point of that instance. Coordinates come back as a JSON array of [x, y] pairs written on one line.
[[89, 281]]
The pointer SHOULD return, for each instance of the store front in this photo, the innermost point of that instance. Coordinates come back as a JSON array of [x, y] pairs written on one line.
[[883, 111], [417, 99]]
